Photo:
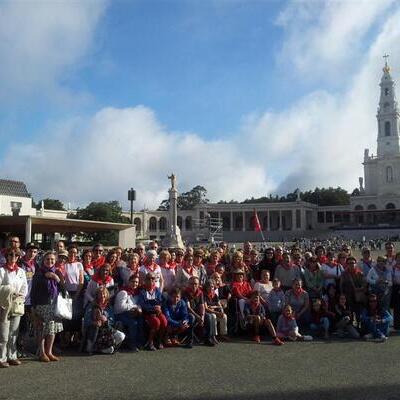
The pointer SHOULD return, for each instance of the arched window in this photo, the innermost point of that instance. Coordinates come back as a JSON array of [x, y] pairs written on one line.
[[179, 222], [138, 224], [390, 206], [371, 207], [153, 224], [162, 224], [389, 174], [387, 128], [390, 216], [188, 223]]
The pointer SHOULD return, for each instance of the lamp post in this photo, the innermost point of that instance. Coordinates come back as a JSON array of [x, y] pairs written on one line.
[[131, 198]]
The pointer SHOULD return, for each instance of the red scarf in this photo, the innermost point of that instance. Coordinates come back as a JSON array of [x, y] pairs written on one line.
[[11, 268], [254, 308], [152, 267], [88, 268], [211, 295], [189, 291], [99, 280], [298, 292], [99, 262], [190, 270], [130, 291], [172, 265]]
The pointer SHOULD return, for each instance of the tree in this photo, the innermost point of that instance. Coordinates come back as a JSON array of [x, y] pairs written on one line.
[[51, 204], [323, 197], [188, 200], [110, 211]]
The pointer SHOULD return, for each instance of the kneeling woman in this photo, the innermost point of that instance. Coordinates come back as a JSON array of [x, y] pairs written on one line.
[[180, 321], [257, 317], [150, 300], [128, 311], [99, 334]]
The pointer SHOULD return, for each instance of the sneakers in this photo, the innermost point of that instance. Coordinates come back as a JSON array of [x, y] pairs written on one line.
[[278, 342], [108, 350], [308, 338], [4, 364], [380, 339]]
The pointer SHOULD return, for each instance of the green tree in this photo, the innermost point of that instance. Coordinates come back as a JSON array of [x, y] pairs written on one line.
[[188, 200], [110, 211], [51, 204]]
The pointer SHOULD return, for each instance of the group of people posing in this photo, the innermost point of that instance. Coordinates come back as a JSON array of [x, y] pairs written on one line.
[[152, 298]]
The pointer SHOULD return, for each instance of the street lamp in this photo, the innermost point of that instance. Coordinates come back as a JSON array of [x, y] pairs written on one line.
[[131, 198]]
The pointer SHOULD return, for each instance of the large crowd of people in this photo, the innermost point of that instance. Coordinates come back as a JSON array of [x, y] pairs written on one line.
[[102, 300]]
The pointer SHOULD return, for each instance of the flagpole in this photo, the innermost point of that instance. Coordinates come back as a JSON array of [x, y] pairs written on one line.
[[259, 226]]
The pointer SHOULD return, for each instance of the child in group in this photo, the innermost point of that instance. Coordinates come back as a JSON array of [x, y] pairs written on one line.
[[180, 321], [257, 317], [275, 300], [320, 319], [344, 319], [287, 326], [98, 320]]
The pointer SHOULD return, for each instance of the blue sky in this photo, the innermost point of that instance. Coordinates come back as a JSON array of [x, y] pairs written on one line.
[[239, 96]]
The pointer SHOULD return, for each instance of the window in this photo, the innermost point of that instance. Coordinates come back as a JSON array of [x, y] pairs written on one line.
[[188, 223], [387, 128], [321, 217], [389, 174], [153, 224], [162, 224], [386, 91], [329, 216]]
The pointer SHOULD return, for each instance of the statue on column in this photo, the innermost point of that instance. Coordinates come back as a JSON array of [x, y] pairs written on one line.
[[172, 177]]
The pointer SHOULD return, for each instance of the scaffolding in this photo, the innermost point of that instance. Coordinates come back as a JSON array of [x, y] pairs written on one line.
[[209, 230]]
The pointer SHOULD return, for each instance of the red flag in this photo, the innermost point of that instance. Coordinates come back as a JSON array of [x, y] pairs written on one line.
[[257, 225]]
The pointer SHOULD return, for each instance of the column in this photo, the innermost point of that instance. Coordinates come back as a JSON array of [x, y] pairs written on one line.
[[280, 220], [268, 221], [28, 230], [293, 220], [231, 222], [243, 221]]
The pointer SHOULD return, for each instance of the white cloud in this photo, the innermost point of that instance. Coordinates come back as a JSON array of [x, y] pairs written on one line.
[[323, 38], [40, 44], [120, 148]]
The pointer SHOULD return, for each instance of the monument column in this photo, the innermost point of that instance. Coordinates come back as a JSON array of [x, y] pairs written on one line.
[[173, 235]]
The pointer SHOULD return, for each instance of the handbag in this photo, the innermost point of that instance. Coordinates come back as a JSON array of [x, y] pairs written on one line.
[[63, 307], [17, 306]]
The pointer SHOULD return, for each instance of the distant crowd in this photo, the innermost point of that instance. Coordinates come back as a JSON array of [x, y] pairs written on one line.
[[99, 300]]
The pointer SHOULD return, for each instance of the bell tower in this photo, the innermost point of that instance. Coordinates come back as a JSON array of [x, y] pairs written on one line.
[[388, 116]]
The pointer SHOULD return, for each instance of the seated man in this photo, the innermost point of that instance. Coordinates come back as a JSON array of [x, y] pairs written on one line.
[[129, 313], [180, 321]]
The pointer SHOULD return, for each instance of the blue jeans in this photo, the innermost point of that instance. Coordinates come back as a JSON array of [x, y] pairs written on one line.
[[377, 330], [135, 328], [323, 325]]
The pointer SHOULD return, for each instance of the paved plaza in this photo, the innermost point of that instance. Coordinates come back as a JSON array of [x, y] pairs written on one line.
[[237, 370]]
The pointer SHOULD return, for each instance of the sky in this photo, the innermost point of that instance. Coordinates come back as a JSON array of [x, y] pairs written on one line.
[[244, 97]]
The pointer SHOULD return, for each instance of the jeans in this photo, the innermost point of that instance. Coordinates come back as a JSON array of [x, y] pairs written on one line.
[[323, 324], [377, 330], [8, 339], [135, 328]]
